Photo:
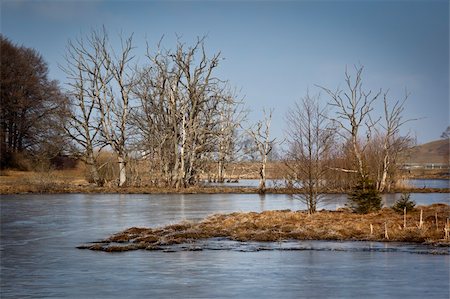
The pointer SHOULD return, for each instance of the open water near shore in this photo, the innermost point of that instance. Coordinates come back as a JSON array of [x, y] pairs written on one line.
[[414, 183], [38, 258]]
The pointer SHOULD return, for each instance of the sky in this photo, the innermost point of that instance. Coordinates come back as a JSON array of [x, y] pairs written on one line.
[[274, 51]]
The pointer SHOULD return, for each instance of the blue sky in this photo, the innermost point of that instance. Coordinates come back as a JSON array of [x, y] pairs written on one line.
[[274, 50]]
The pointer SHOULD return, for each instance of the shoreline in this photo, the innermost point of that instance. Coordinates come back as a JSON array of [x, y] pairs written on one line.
[[72, 181], [90, 189], [275, 226]]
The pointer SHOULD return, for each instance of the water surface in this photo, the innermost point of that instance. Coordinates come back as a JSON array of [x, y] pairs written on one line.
[[429, 183], [39, 234], [414, 183]]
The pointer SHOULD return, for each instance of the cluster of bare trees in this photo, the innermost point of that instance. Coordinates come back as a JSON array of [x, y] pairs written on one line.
[[189, 116], [346, 144], [172, 109], [375, 155]]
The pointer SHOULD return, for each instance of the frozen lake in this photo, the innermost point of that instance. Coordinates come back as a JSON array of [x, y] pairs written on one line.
[[39, 234]]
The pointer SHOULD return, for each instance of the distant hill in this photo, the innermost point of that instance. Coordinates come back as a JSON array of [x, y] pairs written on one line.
[[431, 152]]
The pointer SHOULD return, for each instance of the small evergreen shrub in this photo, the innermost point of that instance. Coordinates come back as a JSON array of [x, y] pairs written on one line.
[[364, 198], [404, 202]]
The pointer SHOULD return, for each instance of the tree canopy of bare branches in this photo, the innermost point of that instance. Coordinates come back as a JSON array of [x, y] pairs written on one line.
[[374, 154], [263, 144], [392, 142], [101, 80], [83, 126], [309, 147], [186, 113], [353, 108]]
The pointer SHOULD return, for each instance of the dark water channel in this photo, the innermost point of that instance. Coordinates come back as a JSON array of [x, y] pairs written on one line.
[[39, 234]]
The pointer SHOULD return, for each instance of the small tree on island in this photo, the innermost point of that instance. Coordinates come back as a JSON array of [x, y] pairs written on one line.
[[364, 198], [404, 202]]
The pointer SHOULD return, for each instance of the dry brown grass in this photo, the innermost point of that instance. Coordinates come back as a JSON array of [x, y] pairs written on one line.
[[288, 225], [76, 181], [45, 181], [250, 170]]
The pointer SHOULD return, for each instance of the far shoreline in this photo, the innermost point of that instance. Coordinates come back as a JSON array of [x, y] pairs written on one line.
[[91, 189], [74, 181]]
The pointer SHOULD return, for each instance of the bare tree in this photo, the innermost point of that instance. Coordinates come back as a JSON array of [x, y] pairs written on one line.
[[353, 108], [393, 143], [310, 139], [82, 127], [154, 121], [114, 106], [231, 114], [260, 134], [107, 78], [377, 153]]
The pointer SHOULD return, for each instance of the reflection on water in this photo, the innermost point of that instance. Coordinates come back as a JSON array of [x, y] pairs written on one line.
[[39, 234], [414, 183], [336, 201]]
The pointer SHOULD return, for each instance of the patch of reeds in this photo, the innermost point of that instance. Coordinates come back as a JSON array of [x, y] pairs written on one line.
[[422, 225]]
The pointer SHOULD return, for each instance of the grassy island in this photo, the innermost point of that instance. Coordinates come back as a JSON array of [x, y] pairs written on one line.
[[268, 226]]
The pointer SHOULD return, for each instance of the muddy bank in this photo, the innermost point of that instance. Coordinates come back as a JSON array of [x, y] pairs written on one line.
[[272, 226]]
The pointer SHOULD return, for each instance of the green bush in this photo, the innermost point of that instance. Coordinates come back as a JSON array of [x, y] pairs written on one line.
[[404, 202], [364, 198]]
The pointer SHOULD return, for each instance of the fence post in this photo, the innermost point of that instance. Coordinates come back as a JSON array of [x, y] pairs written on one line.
[[386, 236]]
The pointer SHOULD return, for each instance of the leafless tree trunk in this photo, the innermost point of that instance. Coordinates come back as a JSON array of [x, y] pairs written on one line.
[[393, 144], [154, 121], [82, 127], [115, 80], [231, 115], [260, 134], [110, 80], [353, 109], [310, 139]]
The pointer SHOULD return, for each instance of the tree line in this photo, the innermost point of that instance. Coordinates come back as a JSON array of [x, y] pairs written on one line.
[[172, 112], [172, 109]]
